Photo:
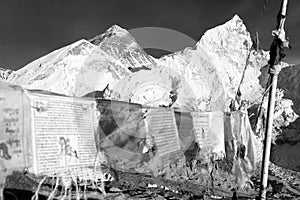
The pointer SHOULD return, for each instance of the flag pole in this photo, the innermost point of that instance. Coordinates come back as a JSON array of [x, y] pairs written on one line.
[[277, 45]]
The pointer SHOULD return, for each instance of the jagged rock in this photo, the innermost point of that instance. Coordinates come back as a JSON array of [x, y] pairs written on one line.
[[5, 73], [119, 43], [286, 127], [283, 115], [285, 152], [74, 70]]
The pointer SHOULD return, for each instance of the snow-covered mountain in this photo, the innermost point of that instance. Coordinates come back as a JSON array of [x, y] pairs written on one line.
[[74, 70], [211, 70], [214, 66], [121, 45]]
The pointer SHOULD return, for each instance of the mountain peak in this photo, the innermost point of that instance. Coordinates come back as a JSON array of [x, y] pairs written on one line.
[[214, 67], [117, 28], [73, 70], [113, 31], [236, 17], [120, 44]]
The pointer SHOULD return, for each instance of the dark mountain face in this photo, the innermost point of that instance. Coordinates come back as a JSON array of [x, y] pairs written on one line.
[[4, 73], [120, 44]]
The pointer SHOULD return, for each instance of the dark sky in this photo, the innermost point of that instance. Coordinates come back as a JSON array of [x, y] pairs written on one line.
[[32, 28]]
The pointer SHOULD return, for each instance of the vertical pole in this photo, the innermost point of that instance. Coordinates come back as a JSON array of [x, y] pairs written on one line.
[[268, 138], [271, 104]]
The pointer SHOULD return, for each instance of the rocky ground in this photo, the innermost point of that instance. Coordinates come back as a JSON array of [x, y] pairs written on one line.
[[182, 183]]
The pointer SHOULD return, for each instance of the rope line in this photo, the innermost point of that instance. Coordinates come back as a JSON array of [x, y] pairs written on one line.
[[262, 95], [266, 2], [238, 92], [259, 23]]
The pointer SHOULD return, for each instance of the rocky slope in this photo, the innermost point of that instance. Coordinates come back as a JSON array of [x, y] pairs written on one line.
[[5, 73], [286, 151], [74, 70]]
